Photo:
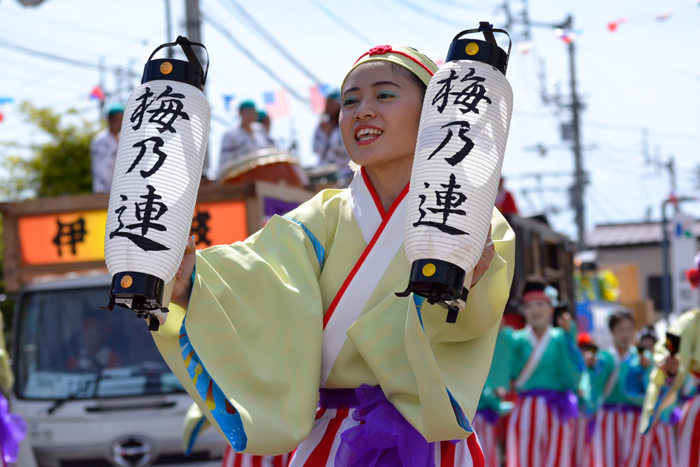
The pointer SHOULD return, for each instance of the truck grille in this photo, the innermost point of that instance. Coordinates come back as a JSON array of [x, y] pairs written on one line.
[[161, 460]]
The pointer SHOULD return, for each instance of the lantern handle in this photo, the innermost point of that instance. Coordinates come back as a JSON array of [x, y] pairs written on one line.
[[487, 29], [186, 46]]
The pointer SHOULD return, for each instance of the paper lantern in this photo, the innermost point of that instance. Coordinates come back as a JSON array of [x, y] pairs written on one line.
[[162, 146], [457, 165]]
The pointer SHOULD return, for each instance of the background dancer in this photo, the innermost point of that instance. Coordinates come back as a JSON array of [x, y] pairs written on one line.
[[617, 441], [491, 404], [311, 297], [671, 375], [583, 429], [546, 366], [663, 434]]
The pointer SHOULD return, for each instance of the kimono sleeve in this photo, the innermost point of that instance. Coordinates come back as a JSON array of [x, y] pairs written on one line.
[[599, 375], [572, 365], [662, 391], [248, 348], [451, 361]]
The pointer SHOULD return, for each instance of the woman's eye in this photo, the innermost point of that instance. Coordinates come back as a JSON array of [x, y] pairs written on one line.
[[384, 95], [349, 100]]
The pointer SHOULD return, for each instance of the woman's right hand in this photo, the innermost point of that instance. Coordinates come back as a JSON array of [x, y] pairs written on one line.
[[183, 278], [670, 366]]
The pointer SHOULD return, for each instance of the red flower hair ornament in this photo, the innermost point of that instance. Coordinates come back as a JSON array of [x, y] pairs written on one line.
[[380, 50], [693, 276]]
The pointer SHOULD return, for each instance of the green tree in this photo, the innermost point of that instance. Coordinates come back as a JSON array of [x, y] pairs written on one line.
[[59, 166]]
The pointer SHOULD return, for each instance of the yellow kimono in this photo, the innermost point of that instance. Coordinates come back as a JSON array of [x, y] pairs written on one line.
[[662, 393], [249, 348]]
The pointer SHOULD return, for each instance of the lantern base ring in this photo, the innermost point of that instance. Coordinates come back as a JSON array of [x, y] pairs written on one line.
[[141, 293], [439, 282]]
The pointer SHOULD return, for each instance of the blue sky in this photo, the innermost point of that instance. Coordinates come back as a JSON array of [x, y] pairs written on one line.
[[644, 75]]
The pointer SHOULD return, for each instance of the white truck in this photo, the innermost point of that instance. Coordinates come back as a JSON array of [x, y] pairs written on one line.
[[90, 384]]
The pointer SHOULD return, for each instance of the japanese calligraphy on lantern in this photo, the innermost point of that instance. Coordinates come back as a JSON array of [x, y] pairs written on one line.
[[457, 165], [156, 177]]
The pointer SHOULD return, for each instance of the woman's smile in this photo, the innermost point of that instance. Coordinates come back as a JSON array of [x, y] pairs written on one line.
[[367, 134]]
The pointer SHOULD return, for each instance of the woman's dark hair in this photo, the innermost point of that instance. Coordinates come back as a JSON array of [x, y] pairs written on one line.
[[618, 316]]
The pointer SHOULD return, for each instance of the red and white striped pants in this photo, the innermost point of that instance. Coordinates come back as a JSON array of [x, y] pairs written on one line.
[[689, 434], [488, 436], [235, 459], [663, 446], [536, 437], [318, 450], [617, 441], [581, 452]]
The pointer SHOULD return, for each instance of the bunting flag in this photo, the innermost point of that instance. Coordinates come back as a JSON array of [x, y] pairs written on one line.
[[228, 98], [524, 47], [3, 101], [97, 93], [276, 103], [318, 97], [566, 35], [663, 15], [613, 25]]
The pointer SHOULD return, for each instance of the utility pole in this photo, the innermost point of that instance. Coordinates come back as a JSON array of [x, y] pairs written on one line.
[[102, 86], [579, 175], [573, 130], [170, 52], [193, 22]]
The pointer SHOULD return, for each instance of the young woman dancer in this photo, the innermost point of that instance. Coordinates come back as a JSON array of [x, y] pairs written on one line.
[[546, 365], [492, 405], [668, 379], [304, 313], [619, 382]]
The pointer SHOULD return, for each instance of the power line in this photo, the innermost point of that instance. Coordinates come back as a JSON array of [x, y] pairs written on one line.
[[225, 32], [80, 27], [273, 42], [342, 23], [58, 58], [637, 129], [429, 13]]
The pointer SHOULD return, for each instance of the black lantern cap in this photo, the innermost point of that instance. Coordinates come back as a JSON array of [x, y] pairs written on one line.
[[137, 291], [439, 282], [189, 72], [486, 51]]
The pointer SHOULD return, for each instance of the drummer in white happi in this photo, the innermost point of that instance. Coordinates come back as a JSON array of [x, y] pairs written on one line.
[[103, 150], [249, 136]]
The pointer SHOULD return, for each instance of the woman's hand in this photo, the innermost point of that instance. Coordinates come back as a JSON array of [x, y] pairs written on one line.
[[670, 366], [183, 278], [564, 321], [644, 362], [485, 261]]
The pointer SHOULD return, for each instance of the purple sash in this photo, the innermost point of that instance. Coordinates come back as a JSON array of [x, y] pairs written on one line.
[[489, 415], [564, 404], [12, 431], [623, 408], [383, 438]]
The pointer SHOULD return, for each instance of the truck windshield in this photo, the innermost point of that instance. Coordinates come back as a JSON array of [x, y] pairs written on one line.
[[70, 349]]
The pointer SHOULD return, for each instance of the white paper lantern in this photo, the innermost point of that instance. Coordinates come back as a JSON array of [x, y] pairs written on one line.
[[162, 146], [457, 166]]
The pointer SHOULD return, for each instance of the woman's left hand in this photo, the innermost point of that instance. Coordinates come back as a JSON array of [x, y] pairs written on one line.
[[485, 260], [564, 321]]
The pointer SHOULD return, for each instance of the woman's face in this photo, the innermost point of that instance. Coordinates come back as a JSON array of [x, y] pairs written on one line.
[[379, 116], [538, 313], [623, 333]]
